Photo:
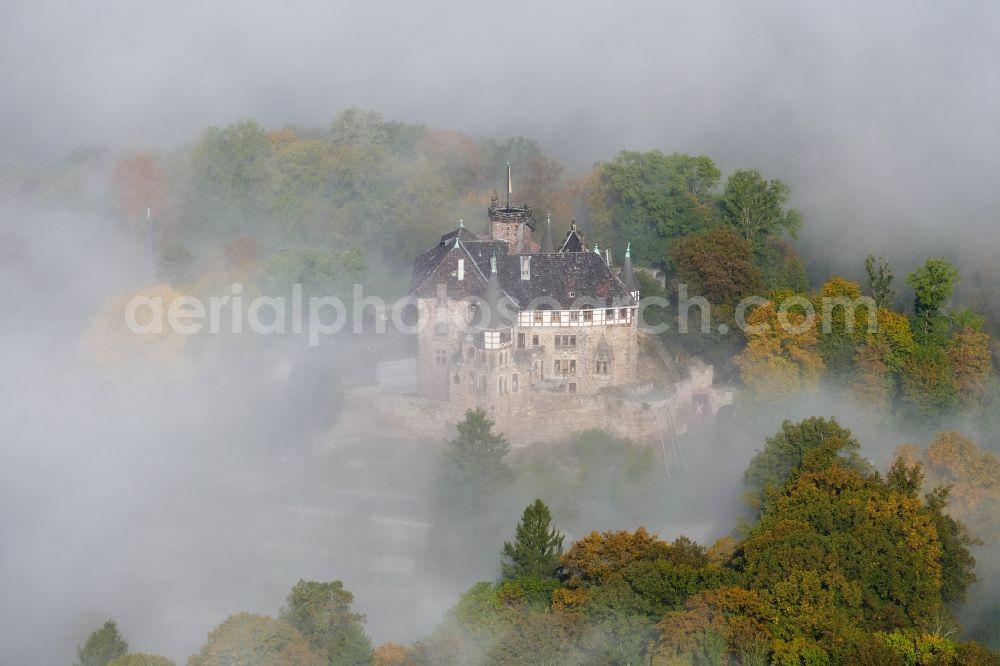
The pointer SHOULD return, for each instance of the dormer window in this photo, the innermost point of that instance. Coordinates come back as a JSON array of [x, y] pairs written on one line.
[[525, 268]]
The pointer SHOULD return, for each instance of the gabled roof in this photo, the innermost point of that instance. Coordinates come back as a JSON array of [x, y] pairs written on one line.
[[461, 233], [440, 267], [562, 280], [574, 241]]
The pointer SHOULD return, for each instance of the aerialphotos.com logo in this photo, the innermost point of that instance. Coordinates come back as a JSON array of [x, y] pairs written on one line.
[[320, 316]]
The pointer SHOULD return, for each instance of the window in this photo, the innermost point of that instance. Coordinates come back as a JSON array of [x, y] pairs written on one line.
[[601, 367], [441, 326], [513, 383], [623, 313], [588, 315], [534, 341], [525, 268], [565, 341], [456, 380], [572, 367], [473, 311], [520, 340], [557, 367], [609, 314], [564, 367], [572, 387], [461, 269], [574, 316], [538, 317], [440, 358]]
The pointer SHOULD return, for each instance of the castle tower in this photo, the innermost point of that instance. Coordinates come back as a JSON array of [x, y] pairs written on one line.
[[512, 222], [495, 373]]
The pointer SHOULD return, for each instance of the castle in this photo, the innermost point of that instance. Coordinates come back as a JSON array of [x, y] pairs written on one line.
[[504, 318]]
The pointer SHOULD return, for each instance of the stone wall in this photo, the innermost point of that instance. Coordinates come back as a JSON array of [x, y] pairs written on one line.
[[648, 413]]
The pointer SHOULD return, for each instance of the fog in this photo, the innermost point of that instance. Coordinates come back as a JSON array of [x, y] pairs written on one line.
[[880, 116], [169, 499]]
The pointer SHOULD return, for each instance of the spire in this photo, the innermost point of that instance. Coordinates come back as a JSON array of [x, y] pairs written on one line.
[[547, 244], [597, 250], [461, 223], [510, 186], [493, 300], [627, 273]]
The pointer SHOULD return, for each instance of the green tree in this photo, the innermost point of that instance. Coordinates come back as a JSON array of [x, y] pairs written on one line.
[[815, 441], [880, 279], [140, 659], [230, 176], [358, 127], [780, 266], [321, 612], [756, 207], [653, 199], [929, 386], [536, 551], [933, 284], [320, 271], [256, 640], [475, 472], [102, 646]]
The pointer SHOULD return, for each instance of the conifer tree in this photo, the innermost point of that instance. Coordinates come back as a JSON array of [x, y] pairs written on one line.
[[536, 551], [474, 471], [102, 646]]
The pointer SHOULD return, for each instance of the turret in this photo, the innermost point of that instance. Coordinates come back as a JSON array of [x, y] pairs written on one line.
[[627, 274], [547, 244], [511, 221], [494, 321]]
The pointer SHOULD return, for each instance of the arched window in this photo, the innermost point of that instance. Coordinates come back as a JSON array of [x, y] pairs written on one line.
[[513, 383]]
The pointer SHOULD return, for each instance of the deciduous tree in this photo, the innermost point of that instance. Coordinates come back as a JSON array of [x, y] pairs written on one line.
[[256, 640], [781, 358], [321, 612], [717, 264], [756, 206]]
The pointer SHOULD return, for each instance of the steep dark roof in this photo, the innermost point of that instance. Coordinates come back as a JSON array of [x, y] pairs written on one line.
[[562, 280], [627, 274], [461, 233], [574, 241], [497, 307], [547, 244], [559, 279], [482, 250], [440, 266]]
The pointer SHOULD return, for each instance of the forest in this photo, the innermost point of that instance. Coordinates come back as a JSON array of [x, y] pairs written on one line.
[[835, 558]]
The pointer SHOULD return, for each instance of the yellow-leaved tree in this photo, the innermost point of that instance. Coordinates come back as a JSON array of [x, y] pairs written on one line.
[[781, 357], [110, 343]]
